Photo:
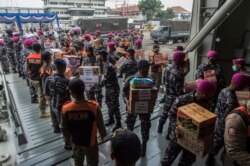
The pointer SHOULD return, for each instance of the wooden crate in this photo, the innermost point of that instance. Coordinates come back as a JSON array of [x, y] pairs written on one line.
[[196, 120]]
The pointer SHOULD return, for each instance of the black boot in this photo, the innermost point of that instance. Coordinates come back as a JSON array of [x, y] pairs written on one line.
[[57, 129], [143, 149], [110, 121]]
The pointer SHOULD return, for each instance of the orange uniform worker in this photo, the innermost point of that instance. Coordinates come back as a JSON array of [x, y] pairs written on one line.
[[81, 118]]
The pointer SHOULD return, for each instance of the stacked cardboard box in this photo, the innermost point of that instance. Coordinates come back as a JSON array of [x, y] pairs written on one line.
[[90, 75], [142, 101], [197, 123], [243, 97], [210, 75]]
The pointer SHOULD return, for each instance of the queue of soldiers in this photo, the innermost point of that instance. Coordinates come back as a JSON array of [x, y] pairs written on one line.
[[76, 112]]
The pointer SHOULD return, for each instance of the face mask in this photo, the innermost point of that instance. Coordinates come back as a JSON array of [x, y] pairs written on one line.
[[235, 69]]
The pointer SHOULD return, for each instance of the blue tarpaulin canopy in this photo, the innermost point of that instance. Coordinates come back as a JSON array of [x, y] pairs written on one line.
[[20, 18]]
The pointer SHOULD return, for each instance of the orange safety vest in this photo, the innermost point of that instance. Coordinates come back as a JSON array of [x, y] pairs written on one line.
[[80, 118]]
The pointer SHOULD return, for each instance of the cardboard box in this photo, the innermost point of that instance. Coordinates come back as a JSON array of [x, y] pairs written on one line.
[[140, 107], [160, 59], [57, 53], [243, 95], [190, 86], [210, 75], [143, 94], [72, 61], [200, 147], [88, 86], [120, 62], [90, 79], [196, 120], [89, 70]]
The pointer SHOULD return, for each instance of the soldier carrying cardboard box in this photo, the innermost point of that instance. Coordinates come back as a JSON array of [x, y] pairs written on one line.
[[205, 91], [143, 70]]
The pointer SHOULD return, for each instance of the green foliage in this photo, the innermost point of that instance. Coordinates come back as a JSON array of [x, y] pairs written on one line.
[[150, 7], [165, 14]]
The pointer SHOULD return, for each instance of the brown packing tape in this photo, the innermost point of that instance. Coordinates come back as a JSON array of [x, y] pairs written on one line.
[[140, 107], [243, 95], [89, 70], [143, 94]]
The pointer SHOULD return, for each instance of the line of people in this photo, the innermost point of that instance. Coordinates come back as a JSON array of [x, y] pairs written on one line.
[[79, 116]]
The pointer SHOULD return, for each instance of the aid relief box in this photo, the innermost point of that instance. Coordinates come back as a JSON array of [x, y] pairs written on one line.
[[72, 61], [120, 62], [160, 59], [190, 86], [90, 81], [243, 95], [143, 94], [196, 120], [198, 146], [57, 53], [140, 107], [89, 70], [210, 75]]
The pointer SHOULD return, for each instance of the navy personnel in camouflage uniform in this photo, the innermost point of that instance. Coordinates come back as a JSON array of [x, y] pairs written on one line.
[[4, 58], [91, 60], [143, 69], [205, 91], [130, 66], [236, 136], [82, 118], [211, 65], [227, 101], [110, 81], [10, 49], [17, 49], [174, 82], [112, 55], [56, 90], [25, 52]]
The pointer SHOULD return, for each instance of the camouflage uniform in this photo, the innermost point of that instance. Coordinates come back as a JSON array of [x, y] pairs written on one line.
[[4, 59], [173, 149], [227, 101], [174, 82], [111, 84], [219, 77], [93, 94], [10, 52], [131, 118], [56, 87], [25, 52], [17, 49], [113, 57], [129, 68]]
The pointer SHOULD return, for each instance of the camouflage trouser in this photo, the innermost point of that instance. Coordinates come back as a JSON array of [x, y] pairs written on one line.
[[112, 101], [32, 90], [91, 153], [157, 78], [218, 138], [19, 65], [53, 116], [65, 132], [38, 88], [12, 60], [167, 106], [145, 124], [172, 151], [5, 64]]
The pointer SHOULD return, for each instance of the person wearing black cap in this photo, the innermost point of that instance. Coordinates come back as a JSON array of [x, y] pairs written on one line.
[[125, 148], [143, 69], [130, 66], [110, 81], [156, 69], [56, 91], [82, 118], [10, 49]]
